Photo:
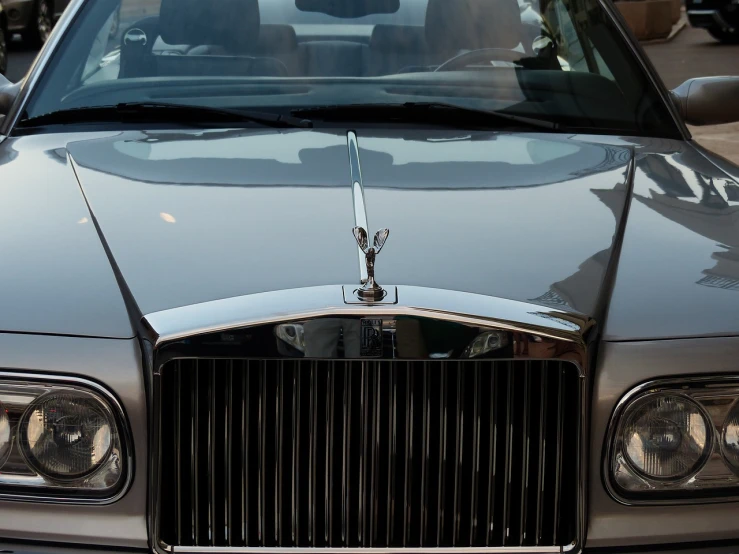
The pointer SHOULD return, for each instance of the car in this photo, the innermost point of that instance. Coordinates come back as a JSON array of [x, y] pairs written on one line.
[[207, 345], [33, 19], [3, 41], [719, 17]]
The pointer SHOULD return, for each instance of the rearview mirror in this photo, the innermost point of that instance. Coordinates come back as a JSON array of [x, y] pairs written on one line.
[[8, 93], [348, 9], [708, 100]]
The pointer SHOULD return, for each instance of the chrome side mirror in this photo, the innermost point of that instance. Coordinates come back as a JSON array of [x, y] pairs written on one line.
[[708, 100], [8, 93]]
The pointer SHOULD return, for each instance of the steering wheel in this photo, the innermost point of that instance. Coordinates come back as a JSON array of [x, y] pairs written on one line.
[[481, 55]]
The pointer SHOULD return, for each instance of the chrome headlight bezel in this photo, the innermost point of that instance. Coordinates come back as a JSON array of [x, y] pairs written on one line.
[[65, 491], [713, 481]]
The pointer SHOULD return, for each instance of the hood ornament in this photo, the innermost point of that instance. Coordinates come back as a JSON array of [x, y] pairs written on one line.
[[370, 291]]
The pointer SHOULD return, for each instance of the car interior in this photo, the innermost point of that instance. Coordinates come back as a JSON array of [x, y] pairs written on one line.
[[196, 38]]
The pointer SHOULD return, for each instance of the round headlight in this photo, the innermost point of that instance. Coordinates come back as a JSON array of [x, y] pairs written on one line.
[[730, 438], [5, 438], [666, 437], [66, 435]]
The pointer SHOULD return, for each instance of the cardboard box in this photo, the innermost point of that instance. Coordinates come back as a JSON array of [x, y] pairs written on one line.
[[677, 6], [648, 19]]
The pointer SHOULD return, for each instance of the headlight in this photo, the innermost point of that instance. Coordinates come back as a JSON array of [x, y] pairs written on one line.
[[5, 435], [66, 435], [64, 441], [730, 437], [665, 437], [675, 441]]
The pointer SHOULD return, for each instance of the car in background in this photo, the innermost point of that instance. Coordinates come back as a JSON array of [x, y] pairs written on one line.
[[719, 17], [33, 19], [3, 41]]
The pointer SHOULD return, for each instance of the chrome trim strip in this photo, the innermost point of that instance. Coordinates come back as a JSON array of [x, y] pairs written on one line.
[[42, 60], [646, 64], [121, 420], [360, 210], [311, 550], [607, 450], [327, 300]]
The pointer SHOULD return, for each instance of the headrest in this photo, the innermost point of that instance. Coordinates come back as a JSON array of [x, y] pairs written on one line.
[[473, 24], [398, 38], [230, 23], [277, 39]]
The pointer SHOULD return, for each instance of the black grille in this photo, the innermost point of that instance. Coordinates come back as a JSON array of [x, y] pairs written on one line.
[[368, 454]]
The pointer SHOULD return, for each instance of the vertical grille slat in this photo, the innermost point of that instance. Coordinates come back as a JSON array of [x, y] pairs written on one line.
[[558, 462], [178, 455], [262, 481], [211, 455], [312, 453], [295, 483], [508, 458], [458, 458], [227, 444], [195, 457], [312, 437], [245, 457], [492, 458], [525, 456], [392, 454], [328, 482], [542, 448], [475, 422], [442, 452]]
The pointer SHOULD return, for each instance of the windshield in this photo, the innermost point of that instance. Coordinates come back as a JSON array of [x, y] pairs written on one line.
[[561, 61]]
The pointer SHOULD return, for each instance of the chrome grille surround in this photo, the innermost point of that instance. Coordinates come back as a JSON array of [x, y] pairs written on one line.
[[533, 332]]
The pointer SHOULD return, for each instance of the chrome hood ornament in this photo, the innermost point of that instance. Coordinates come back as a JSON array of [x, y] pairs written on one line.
[[370, 291]]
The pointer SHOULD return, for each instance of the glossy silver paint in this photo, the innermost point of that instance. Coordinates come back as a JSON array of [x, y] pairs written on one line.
[[115, 364], [200, 212], [55, 276], [621, 367], [204, 208]]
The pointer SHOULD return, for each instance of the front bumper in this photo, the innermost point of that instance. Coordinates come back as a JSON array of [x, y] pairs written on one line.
[[19, 14], [706, 19]]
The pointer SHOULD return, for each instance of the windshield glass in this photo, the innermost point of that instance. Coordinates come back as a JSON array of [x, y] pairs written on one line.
[[561, 61]]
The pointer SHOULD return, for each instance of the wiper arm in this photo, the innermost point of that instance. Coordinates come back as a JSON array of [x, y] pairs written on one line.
[[163, 112], [420, 112]]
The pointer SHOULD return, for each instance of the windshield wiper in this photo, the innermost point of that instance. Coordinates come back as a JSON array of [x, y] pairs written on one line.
[[153, 112], [423, 112]]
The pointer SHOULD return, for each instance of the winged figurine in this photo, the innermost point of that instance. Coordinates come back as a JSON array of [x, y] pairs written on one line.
[[370, 290]]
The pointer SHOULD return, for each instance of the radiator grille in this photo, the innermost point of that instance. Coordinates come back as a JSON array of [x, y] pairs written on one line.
[[368, 454]]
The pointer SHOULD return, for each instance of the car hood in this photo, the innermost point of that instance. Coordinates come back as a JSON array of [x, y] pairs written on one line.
[[195, 216], [639, 233]]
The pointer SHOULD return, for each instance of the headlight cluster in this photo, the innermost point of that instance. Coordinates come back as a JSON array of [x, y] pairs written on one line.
[[676, 440], [61, 441]]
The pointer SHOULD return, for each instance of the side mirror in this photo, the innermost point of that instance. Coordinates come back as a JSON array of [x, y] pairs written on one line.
[[8, 93], [708, 100]]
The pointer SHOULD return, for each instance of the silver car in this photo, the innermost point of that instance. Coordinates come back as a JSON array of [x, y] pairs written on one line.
[[207, 345]]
